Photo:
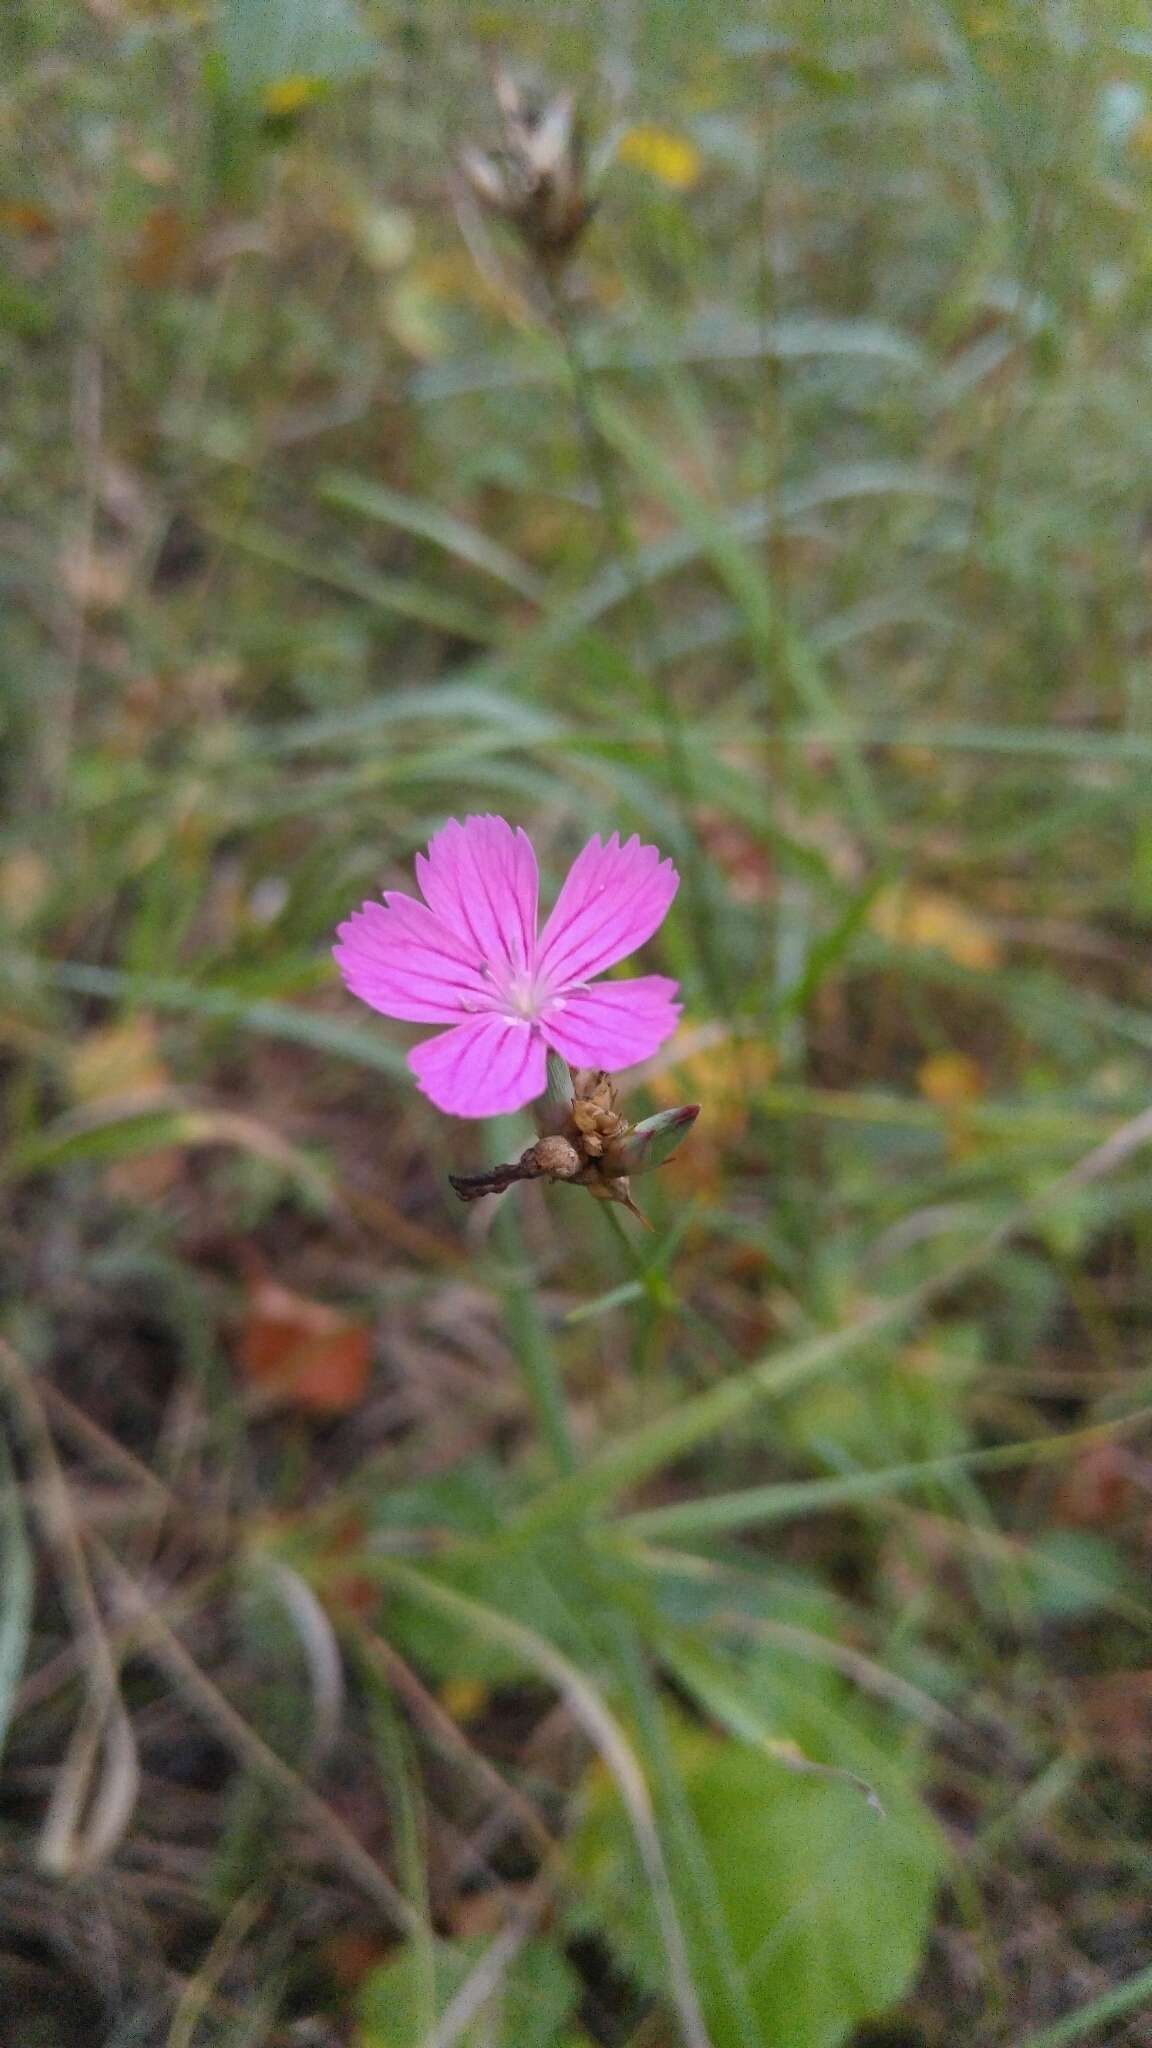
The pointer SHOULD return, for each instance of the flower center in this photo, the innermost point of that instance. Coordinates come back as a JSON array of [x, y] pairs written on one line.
[[521, 996]]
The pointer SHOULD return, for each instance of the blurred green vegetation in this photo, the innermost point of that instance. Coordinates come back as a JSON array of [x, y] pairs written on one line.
[[424, 1625]]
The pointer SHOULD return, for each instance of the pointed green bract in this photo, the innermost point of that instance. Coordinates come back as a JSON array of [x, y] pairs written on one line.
[[559, 1080], [652, 1142]]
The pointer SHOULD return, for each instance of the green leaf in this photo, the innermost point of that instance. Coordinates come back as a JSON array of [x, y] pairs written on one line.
[[783, 1500], [264, 42], [546, 1587], [15, 1588], [533, 1997], [403, 596], [632, 1455], [1075, 1571], [826, 1903]]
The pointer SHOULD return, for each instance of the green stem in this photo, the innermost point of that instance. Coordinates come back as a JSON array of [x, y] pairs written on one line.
[[602, 464], [534, 1350]]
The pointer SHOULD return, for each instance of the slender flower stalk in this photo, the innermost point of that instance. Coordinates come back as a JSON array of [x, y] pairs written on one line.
[[602, 464], [539, 181]]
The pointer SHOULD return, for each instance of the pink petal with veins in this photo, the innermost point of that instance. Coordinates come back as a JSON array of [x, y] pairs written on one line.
[[613, 1025], [614, 898], [487, 1066], [480, 879], [468, 956], [402, 960]]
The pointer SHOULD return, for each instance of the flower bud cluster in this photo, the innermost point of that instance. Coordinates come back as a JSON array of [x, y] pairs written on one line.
[[591, 1145]]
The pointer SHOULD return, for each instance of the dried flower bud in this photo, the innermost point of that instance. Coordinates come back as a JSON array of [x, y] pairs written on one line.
[[556, 1158], [590, 1084], [586, 1141], [594, 1117]]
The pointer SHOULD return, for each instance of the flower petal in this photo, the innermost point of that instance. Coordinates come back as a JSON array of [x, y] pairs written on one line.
[[485, 1067], [614, 1024], [614, 898], [480, 879], [402, 960]]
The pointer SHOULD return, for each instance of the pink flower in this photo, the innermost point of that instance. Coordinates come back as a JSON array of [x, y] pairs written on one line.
[[470, 956]]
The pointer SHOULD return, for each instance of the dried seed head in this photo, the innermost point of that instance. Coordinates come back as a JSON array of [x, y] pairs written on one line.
[[556, 1157], [589, 1084], [596, 1127], [594, 1116], [587, 1142], [536, 178]]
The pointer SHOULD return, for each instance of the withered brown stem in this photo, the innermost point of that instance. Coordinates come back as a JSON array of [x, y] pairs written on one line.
[[493, 1181]]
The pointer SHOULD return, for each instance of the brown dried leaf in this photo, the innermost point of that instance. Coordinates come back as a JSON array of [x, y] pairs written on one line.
[[306, 1354], [161, 250], [1115, 1717]]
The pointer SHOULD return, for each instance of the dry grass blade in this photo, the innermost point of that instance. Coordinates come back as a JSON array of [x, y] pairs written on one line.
[[158, 1642], [441, 1730], [485, 1979], [81, 1828], [196, 1996], [322, 1654]]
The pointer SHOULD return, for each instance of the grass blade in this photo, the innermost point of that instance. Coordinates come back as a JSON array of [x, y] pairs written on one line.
[[428, 522], [223, 1006], [16, 1581], [756, 1506], [1111, 2005]]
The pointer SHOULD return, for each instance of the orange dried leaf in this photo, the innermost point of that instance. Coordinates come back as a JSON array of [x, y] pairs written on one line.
[[25, 217], [928, 920], [25, 882], [725, 1076], [950, 1079], [306, 1354], [161, 248], [1115, 1718], [1098, 1488], [352, 1955]]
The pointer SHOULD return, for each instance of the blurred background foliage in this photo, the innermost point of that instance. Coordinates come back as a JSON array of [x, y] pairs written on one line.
[[422, 1625]]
